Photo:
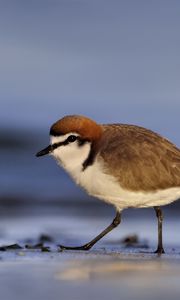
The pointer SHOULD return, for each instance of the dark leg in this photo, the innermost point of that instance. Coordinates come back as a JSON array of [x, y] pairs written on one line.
[[88, 246], [159, 215]]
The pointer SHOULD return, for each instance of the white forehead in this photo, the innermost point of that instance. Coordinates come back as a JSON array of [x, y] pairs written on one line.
[[61, 138]]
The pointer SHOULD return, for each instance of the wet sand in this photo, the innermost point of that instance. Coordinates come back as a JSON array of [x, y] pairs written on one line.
[[111, 269]]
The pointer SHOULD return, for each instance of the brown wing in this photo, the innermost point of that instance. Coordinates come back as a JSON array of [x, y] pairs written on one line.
[[140, 158]]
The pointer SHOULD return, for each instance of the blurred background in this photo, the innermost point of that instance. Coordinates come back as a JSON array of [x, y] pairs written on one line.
[[114, 61]]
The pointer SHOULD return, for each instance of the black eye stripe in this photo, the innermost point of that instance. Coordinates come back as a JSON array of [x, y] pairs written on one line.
[[81, 142], [56, 145], [70, 139]]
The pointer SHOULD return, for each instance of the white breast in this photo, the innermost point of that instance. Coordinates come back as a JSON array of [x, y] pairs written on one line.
[[104, 186]]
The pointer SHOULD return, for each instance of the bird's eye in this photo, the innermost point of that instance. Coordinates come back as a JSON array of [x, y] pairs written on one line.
[[72, 138]]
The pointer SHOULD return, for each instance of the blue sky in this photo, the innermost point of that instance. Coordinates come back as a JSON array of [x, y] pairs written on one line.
[[114, 61]]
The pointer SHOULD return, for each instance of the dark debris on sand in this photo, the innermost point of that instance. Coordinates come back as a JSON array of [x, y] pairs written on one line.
[[39, 245], [45, 243], [11, 247]]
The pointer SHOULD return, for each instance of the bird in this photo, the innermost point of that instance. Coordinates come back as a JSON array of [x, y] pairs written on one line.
[[125, 165]]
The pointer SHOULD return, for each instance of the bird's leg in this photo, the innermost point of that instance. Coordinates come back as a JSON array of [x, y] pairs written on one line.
[[159, 215], [88, 246]]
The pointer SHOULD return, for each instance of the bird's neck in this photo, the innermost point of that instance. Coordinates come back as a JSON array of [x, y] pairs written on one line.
[[73, 160]]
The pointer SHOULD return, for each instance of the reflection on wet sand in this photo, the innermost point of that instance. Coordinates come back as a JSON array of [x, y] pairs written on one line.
[[98, 269]]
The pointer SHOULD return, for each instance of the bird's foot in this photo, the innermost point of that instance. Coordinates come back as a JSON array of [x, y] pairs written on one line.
[[84, 247], [160, 250]]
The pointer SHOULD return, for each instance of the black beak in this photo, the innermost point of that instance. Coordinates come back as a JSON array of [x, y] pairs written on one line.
[[45, 151]]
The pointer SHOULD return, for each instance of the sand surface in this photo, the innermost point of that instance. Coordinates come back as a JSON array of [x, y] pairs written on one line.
[[112, 269]]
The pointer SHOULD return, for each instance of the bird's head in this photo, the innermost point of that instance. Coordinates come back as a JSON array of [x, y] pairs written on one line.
[[71, 139]]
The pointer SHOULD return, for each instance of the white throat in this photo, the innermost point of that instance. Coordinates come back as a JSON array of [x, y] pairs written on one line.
[[72, 156]]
